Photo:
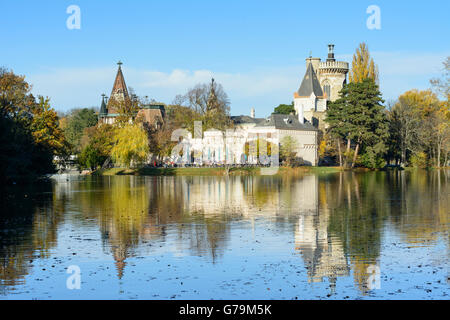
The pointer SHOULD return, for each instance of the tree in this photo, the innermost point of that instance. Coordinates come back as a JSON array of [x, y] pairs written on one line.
[[359, 118], [363, 66], [130, 145], [442, 85], [91, 158], [21, 156], [287, 150], [421, 124], [127, 109], [76, 122], [96, 145], [285, 109], [208, 103], [45, 128]]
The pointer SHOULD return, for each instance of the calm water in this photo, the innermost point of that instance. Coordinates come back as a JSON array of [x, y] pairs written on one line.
[[337, 236]]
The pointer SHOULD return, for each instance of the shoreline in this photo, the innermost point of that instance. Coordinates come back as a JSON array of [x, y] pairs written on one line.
[[251, 171], [254, 171]]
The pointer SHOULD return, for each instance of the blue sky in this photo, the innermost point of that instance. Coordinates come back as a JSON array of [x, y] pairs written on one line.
[[255, 49]]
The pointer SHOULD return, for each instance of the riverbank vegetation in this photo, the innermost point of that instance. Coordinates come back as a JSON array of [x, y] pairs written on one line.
[[412, 131], [30, 135]]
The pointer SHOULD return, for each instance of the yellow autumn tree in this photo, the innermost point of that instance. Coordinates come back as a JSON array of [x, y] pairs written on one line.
[[131, 145], [363, 66], [45, 127]]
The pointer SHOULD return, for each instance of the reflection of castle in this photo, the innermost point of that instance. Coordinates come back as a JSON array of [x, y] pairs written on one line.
[[322, 253], [247, 195]]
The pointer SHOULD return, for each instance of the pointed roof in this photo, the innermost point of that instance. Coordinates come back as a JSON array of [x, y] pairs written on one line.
[[103, 109], [120, 88], [310, 84]]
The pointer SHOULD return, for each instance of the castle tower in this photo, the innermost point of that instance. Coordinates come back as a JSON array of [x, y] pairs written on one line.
[[322, 83], [332, 75], [309, 102]]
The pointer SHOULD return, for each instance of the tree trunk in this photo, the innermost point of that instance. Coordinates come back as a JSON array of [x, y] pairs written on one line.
[[438, 155], [340, 152], [355, 155], [347, 152], [403, 154]]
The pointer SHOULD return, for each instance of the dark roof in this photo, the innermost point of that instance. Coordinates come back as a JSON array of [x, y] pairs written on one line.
[[103, 110], [245, 119], [310, 84], [286, 122], [155, 106]]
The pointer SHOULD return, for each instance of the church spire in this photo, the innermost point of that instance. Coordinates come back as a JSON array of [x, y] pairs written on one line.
[[119, 90]]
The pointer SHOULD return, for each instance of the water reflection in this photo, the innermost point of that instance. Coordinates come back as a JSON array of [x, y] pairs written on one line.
[[336, 221]]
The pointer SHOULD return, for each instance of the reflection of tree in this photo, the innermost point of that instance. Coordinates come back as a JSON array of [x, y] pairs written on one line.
[[120, 205], [28, 227], [359, 209], [422, 206]]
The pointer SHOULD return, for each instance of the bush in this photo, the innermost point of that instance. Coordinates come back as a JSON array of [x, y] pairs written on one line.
[[419, 160]]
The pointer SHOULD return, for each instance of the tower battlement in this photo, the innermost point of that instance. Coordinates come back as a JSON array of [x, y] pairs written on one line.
[[333, 67]]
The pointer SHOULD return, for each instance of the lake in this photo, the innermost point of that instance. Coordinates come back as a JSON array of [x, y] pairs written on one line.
[[374, 235]]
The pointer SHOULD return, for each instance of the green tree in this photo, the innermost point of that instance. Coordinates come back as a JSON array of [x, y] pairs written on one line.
[[91, 157], [285, 109], [77, 121], [97, 143], [287, 150], [131, 145], [359, 118]]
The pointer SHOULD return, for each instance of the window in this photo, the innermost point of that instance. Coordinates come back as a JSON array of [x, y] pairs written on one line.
[[327, 89]]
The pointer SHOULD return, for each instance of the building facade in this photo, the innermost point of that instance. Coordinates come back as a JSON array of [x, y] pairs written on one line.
[[152, 114], [321, 84]]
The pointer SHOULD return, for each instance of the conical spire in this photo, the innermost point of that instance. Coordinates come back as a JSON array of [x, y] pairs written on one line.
[[119, 91], [103, 109], [310, 84]]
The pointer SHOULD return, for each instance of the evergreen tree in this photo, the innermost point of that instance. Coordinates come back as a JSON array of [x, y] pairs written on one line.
[[359, 118]]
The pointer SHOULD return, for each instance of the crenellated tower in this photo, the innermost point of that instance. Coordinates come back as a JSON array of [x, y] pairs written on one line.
[[332, 75], [321, 84]]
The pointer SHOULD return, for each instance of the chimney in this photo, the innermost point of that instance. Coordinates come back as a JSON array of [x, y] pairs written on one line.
[[252, 113], [331, 53], [299, 109]]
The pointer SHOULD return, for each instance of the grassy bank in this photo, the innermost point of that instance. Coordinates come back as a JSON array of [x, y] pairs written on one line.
[[211, 171]]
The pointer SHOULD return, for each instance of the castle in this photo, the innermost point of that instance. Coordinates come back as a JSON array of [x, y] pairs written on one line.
[[322, 83]]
